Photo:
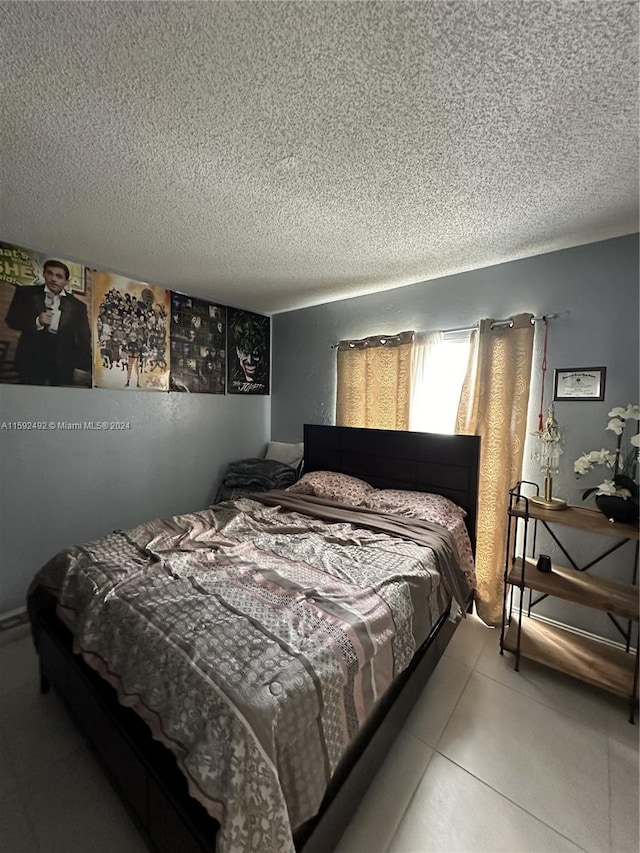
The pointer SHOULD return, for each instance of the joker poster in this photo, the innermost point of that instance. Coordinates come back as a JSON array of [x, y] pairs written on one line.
[[248, 352]]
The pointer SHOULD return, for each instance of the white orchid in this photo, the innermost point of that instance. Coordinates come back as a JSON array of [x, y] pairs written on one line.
[[631, 411], [602, 457], [622, 466], [616, 425], [610, 488], [581, 466], [595, 457]]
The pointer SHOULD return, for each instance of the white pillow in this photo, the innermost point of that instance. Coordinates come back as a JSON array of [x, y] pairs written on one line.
[[290, 454]]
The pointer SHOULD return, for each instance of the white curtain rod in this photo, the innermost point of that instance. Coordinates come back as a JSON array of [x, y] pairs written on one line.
[[495, 325]]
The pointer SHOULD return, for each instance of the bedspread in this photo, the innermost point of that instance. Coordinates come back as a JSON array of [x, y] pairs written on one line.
[[254, 642]]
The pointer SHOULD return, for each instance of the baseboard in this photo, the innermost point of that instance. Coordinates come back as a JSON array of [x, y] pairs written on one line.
[[13, 618], [614, 643]]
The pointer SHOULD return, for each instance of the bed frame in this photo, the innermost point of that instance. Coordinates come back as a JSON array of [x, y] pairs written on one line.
[[145, 774]]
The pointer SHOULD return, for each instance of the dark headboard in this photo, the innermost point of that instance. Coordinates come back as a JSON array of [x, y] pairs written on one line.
[[389, 459]]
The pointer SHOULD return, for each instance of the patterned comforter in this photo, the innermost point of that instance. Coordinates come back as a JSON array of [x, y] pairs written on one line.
[[255, 641]]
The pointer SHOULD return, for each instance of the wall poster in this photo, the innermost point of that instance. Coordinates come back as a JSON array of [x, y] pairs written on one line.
[[45, 338], [130, 321], [248, 352], [198, 345]]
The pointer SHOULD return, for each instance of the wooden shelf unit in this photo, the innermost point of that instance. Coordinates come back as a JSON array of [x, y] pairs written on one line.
[[614, 597], [559, 647], [591, 520], [581, 657]]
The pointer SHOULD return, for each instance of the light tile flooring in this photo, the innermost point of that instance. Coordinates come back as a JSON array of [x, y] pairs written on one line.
[[490, 760]]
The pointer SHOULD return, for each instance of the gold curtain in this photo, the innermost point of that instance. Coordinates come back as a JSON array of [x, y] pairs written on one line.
[[493, 405], [374, 382]]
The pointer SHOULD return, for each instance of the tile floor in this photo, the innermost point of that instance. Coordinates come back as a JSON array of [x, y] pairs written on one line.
[[490, 760]]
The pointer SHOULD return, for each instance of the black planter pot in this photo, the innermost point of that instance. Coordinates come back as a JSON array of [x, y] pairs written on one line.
[[618, 509]]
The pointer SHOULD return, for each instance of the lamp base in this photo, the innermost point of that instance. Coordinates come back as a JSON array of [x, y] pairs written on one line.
[[551, 503]]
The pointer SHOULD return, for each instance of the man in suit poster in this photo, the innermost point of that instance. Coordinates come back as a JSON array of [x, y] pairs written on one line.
[[44, 320]]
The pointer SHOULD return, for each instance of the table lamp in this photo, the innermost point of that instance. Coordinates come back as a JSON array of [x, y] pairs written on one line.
[[547, 453]]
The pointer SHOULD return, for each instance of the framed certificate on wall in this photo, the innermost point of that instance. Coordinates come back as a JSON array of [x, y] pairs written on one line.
[[579, 383]]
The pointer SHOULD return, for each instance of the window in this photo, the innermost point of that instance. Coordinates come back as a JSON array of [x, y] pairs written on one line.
[[439, 365]]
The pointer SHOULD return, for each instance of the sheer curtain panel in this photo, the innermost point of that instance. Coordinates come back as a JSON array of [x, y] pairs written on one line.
[[438, 368], [424, 374]]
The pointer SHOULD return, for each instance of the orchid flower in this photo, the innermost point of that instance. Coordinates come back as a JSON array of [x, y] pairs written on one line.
[[616, 425], [622, 465]]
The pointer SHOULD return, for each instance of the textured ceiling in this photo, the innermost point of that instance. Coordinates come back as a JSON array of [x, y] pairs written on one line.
[[275, 155]]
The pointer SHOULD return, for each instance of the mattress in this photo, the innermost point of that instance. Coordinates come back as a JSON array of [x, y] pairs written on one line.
[[255, 640]]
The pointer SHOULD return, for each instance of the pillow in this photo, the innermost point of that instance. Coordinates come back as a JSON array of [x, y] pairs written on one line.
[[281, 451], [422, 505], [332, 487]]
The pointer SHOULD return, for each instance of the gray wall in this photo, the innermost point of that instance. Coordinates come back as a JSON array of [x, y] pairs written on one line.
[[594, 287], [65, 487]]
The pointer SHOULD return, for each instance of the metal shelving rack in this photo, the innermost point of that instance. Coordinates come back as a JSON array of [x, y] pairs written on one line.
[[559, 647]]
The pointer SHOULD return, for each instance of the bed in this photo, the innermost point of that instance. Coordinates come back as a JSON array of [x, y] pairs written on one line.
[[323, 768]]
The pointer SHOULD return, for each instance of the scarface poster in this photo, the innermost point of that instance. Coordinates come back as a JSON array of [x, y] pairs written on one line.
[[248, 351], [198, 345], [45, 337], [131, 334]]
